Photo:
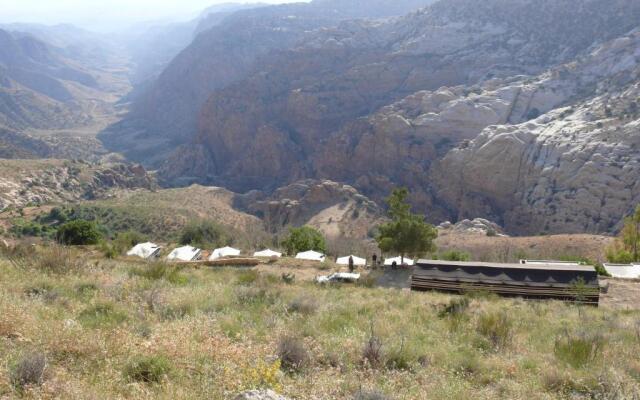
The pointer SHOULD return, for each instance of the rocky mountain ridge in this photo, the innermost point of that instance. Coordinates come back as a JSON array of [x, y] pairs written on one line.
[[321, 109]]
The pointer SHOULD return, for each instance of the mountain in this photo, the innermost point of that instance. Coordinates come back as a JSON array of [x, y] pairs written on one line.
[[152, 46], [167, 113], [573, 169]]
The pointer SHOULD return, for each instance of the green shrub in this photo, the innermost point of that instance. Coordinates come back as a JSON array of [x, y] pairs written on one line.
[[578, 350], [496, 327], [456, 306], [304, 239], [78, 233], [204, 234], [160, 270], [454, 255], [147, 369], [101, 315]]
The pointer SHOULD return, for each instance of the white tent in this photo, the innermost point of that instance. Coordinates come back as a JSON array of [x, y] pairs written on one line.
[[224, 252], [360, 262], [547, 262], [268, 253], [311, 256], [145, 250], [338, 277], [626, 271], [398, 260], [186, 253]]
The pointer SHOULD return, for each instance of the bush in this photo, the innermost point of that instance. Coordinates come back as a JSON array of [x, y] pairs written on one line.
[[292, 354], [454, 255], [370, 395], [55, 260], [304, 239], [456, 307], [29, 370], [497, 328], [103, 314], [78, 233], [302, 305], [372, 351], [160, 270], [578, 350], [204, 234], [147, 369]]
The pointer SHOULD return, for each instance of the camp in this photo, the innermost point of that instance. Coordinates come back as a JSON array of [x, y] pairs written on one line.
[[186, 253], [398, 261], [360, 262], [268, 253], [145, 250], [224, 252], [623, 271], [311, 256]]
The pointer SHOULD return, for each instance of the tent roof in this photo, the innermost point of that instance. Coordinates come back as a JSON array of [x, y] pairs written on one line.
[[267, 253], [356, 260], [628, 271], [185, 253], [398, 260]]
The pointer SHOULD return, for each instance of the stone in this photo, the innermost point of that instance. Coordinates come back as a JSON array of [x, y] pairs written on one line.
[[260, 395]]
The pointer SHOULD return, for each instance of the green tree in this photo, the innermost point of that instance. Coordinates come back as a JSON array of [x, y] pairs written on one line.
[[203, 234], [406, 233], [627, 246], [78, 232], [304, 238]]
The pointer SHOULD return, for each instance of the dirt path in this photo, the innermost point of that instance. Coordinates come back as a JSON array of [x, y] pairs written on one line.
[[620, 294]]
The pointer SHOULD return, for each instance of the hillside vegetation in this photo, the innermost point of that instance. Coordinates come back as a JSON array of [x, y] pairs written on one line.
[[75, 326]]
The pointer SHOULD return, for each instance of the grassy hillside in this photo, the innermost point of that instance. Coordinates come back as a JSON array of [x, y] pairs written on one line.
[[116, 329]]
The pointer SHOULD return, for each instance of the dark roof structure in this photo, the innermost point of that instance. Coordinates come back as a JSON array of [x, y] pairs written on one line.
[[577, 283]]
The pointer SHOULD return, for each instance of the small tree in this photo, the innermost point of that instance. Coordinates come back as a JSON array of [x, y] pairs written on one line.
[[407, 233], [78, 233], [203, 234], [304, 239], [627, 246]]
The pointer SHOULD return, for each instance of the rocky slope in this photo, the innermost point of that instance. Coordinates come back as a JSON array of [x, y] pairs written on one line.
[[167, 113], [337, 210], [298, 112], [24, 182]]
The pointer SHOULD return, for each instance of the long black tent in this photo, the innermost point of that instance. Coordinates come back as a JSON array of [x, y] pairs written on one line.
[[553, 281]]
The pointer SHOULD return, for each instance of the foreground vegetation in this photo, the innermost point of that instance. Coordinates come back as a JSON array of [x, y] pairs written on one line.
[[100, 328]]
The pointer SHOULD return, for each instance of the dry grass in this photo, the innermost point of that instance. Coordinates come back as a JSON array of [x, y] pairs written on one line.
[[109, 333]]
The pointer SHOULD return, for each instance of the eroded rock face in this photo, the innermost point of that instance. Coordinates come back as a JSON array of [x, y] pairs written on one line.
[[477, 226], [47, 181], [335, 209], [571, 170]]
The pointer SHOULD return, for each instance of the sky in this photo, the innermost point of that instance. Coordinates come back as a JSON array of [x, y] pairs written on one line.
[[105, 14]]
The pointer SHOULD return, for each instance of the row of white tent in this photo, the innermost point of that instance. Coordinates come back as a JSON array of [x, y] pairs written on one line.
[[189, 253]]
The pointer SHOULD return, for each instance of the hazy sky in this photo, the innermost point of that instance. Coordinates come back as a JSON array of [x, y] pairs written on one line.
[[99, 14]]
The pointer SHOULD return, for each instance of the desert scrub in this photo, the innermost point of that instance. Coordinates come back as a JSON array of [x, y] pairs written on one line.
[[29, 369], [579, 350], [147, 369], [292, 353], [497, 328], [101, 315], [160, 270]]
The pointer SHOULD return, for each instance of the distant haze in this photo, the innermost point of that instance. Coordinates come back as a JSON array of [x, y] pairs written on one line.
[[106, 15]]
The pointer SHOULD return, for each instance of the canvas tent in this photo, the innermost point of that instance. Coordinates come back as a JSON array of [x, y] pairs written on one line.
[[145, 250], [624, 271], [268, 253], [311, 256], [357, 261], [338, 277], [224, 252], [186, 253], [398, 260]]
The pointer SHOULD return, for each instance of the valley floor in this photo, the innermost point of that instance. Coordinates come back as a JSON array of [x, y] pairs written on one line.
[[125, 329]]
